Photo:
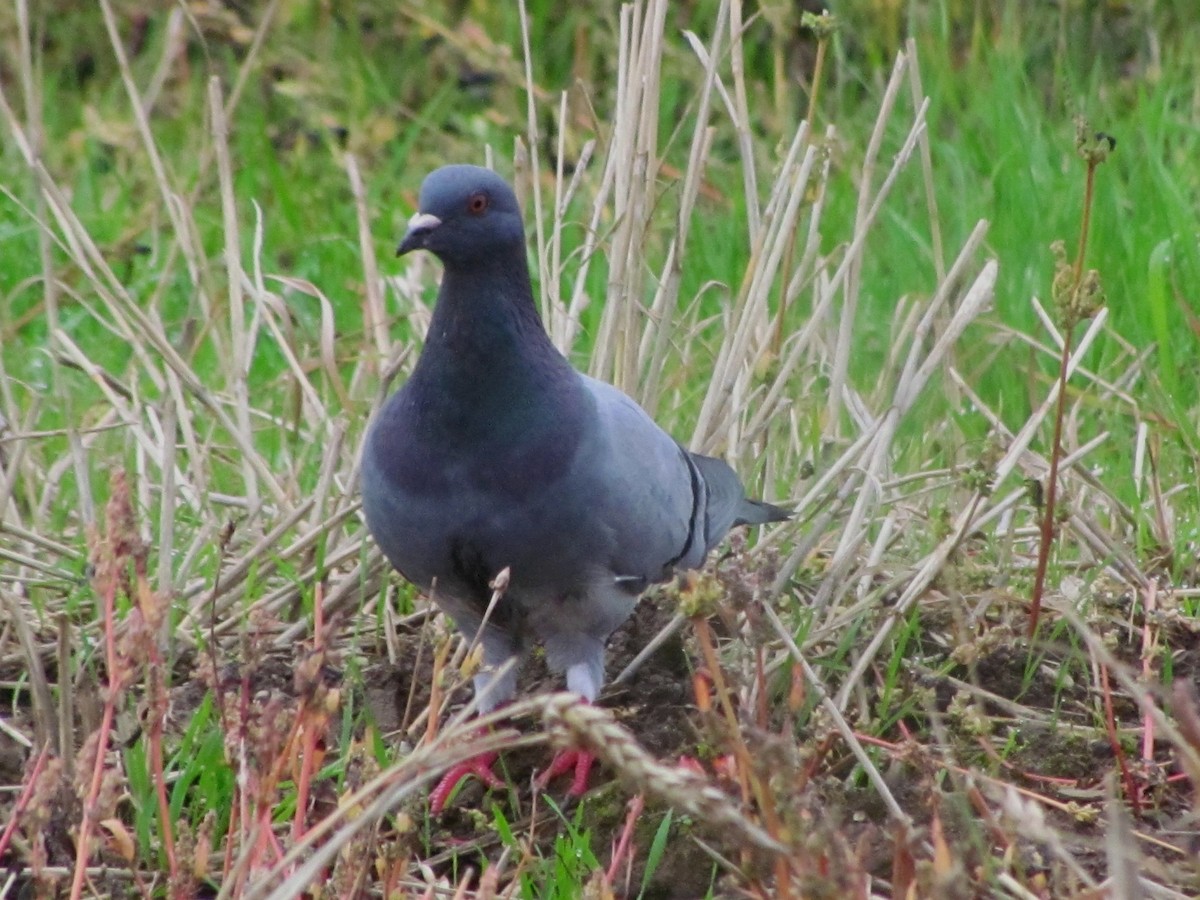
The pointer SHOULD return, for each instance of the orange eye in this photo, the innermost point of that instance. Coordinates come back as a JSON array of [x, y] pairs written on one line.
[[477, 204]]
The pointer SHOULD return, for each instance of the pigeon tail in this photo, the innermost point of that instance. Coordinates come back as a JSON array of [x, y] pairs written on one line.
[[760, 512], [727, 505]]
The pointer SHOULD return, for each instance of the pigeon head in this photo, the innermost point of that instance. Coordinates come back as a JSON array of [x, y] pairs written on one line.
[[466, 214]]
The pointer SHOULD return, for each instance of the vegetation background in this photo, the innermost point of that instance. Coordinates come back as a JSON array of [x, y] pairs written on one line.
[[213, 687]]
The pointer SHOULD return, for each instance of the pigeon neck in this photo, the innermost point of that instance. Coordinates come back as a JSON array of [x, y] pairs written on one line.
[[486, 340]]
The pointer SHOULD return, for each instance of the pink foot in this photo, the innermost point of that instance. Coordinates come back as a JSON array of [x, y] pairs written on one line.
[[724, 767], [480, 766], [579, 761]]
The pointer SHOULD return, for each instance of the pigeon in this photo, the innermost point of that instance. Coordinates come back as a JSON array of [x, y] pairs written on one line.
[[497, 454]]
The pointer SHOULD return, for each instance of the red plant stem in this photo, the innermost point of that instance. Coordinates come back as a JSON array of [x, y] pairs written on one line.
[[231, 834], [705, 639], [762, 714], [247, 821], [305, 731], [1110, 725], [1148, 641], [23, 800], [1087, 220], [154, 739], [1053, 780], [1043, 561], [1047, 538], [621, 852], [818, 67], [305, 740], [83, 849], [750, 784]]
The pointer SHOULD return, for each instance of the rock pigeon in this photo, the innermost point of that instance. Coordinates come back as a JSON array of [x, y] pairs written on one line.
[[496, 453]]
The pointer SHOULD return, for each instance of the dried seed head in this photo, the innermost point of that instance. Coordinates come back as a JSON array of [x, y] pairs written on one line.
[[1074, 301], [823, 26], [1093, 147], [1089, 296], [1064, 276], [574, 724], [697, 594]]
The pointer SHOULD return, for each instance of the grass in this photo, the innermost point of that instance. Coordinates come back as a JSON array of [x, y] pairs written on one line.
[[198, 221]]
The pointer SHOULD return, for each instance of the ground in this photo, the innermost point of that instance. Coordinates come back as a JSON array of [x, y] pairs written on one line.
[[969, 694]]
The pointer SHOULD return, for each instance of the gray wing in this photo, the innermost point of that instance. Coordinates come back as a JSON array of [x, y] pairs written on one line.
[[650, 494], [666, 507]]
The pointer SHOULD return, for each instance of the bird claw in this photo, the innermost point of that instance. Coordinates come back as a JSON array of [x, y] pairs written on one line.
[[480, 766], [577, 761]]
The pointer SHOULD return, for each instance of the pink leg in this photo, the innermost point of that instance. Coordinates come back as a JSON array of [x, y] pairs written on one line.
[[480, 766]]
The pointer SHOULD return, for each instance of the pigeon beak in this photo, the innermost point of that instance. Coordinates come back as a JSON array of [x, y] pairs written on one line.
[[419, 228]]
